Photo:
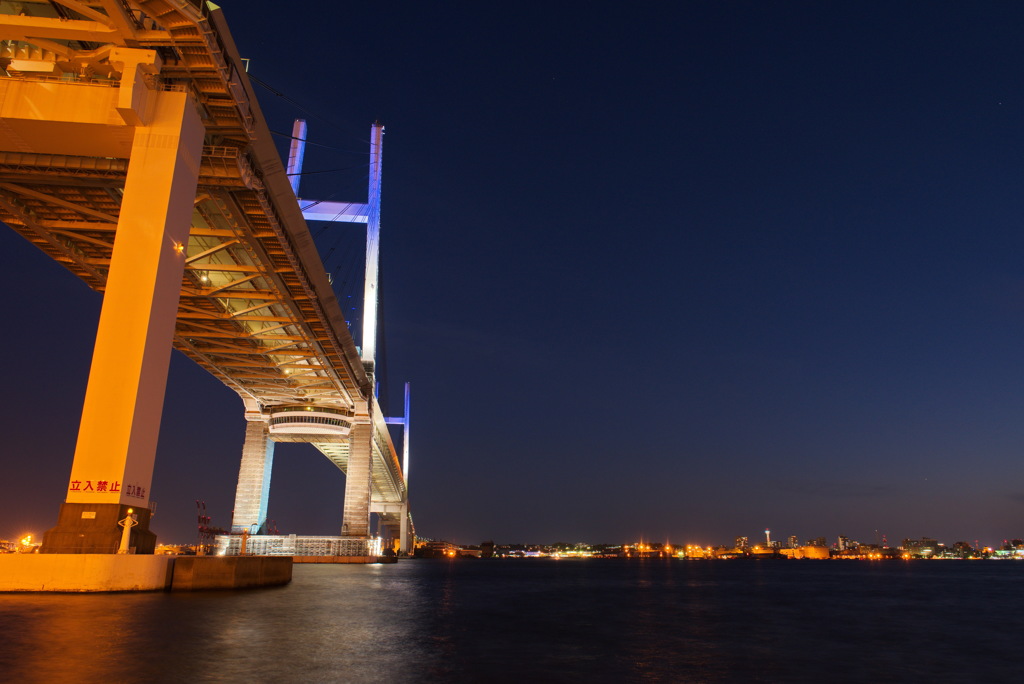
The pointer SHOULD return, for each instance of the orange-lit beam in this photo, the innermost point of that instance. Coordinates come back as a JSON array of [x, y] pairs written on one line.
[[124, 398]]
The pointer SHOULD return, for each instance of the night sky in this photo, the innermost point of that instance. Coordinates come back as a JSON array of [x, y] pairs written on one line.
[[660, 270]]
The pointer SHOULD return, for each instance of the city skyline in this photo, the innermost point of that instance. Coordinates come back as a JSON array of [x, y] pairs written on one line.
[[840, 542], [667, 273]]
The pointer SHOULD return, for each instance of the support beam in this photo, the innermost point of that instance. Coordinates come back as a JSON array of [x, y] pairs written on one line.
[[116, 447], [253, 491], [334, 212]]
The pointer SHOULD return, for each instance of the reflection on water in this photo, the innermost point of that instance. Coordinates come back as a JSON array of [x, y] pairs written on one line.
[[509, 621], [333, 623]]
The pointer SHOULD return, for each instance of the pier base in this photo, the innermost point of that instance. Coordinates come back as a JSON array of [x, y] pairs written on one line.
[[233, 572], [84, 572], [92, 528], [93, 572]]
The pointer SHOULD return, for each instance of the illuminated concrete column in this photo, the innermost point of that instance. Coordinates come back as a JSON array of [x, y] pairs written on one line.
[[116, 448], [370, 295], [356, 519], [253, 489]]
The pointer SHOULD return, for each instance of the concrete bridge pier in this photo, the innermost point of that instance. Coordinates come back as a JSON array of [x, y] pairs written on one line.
[[355, 520], [396, 524], [392, 534], [116, 448], [404, 536], [253, 490]]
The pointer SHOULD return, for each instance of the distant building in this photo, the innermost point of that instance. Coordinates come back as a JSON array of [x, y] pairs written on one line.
[[925, 547], [962, 549], [742, 542], [817, 541], [792, 542]]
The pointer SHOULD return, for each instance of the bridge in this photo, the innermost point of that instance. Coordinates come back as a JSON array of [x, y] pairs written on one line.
[[133, 152]]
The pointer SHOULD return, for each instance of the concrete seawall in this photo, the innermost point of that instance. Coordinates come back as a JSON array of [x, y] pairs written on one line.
[[230, 572], [86, 572]]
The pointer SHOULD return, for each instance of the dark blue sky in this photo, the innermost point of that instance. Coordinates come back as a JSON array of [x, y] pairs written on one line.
[[684, 271]]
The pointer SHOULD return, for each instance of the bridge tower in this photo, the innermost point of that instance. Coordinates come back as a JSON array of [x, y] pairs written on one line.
[[356, 445], [356, 518]]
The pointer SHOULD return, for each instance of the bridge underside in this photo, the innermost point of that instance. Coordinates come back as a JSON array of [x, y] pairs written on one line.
[[81, 87]]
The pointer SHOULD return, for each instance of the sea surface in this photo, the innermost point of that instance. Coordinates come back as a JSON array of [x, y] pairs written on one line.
[[542, 620]]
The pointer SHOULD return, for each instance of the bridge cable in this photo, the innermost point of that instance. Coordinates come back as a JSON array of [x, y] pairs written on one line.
[[350, 256], [310, 142], [309, 173], [278, 93], [335, 193], [350, 287]]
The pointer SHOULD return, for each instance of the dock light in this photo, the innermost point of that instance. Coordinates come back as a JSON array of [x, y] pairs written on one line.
[[130, 511], [179, 248]]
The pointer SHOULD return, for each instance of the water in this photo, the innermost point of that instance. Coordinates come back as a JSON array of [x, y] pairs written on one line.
[[541, 621]]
